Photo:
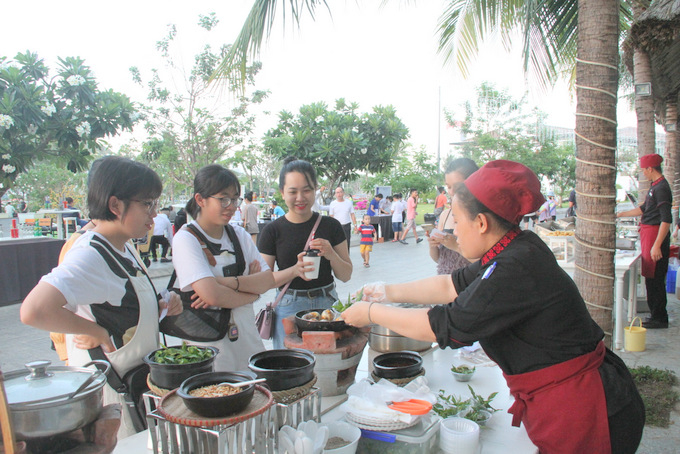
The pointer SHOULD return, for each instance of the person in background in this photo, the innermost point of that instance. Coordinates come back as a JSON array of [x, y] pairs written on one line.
[[171, 213], [655, 224], [100, 295], [443, 245], [572, 394], [221, 285], [22, 207], [411, 213], [398, 208], [386, 205], [180, 219], [250, 216], [368, 235], [440, 202], [73, 214], [319, 202], [374, 206], [9, 209], [162, 236], [277, 211], [282, 243], [571, 211], [342, 209], [545, 211]]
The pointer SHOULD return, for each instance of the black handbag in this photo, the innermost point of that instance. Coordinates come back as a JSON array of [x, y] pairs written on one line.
[[202, 325], [131, 386]]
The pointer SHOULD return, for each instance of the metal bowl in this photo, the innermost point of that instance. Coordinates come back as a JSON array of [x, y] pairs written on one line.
[[383, 340]]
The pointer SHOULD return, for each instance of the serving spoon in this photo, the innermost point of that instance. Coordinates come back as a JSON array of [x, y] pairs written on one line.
[[241, 384]]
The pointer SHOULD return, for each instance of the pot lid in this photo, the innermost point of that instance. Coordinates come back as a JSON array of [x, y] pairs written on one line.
[[41, 383]]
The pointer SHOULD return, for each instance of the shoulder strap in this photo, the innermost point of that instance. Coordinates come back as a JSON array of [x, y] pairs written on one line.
[[309, 239], [240, 258], [205, 244]]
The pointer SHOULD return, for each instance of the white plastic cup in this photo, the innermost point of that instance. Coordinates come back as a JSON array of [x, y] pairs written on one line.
[[312, 256], [459, 436]]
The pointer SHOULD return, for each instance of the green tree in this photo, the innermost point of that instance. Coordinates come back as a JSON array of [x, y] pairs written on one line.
[[501, 127], [413, 169], [63, 117], [188, 125], [340, 142]]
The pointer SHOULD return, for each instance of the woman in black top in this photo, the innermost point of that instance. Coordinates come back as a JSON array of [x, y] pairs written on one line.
[[283, 241], [571, 393]]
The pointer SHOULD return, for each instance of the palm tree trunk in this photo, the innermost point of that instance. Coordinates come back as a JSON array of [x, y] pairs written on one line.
[[672, 157], [644, 105], [597, 82]]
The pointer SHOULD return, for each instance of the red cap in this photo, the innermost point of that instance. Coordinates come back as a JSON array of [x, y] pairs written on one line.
[[509, 189], [651, 160]]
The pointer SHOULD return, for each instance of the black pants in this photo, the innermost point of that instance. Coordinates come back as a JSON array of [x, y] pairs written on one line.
[[656, 286], [155, 241], [348, 232]]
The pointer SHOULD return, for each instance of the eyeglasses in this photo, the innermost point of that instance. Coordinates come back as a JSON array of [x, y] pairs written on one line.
[[226, 202], [151, 205]]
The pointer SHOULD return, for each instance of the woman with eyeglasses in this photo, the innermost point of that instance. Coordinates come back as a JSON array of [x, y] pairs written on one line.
[[235, 276], [101, 295], [442, 241], [283, 242]]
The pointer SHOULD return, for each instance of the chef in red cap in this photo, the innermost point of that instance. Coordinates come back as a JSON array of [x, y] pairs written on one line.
[[572, 393], [655, 239]]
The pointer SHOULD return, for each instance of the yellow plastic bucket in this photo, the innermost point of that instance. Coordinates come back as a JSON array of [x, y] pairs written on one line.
[[634, 337]]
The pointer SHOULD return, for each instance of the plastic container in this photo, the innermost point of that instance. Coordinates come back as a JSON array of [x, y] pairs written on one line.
[[634, 337], [459, 435], [418, 439], [670, 280]]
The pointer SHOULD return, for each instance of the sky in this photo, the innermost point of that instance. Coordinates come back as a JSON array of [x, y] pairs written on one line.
[[364, 53]]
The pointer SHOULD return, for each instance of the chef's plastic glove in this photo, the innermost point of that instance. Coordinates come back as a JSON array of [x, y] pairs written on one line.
[[373, 292]]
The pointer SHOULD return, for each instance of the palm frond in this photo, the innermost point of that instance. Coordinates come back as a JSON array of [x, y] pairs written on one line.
[[256, 28]]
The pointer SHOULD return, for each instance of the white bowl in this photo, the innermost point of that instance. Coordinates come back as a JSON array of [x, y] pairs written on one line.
[[345, 431]]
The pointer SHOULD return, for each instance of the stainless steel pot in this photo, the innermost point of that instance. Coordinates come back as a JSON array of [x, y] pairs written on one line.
[[384, 340], [42, 403]]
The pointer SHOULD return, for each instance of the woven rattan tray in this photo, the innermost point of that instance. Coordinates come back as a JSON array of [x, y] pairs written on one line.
[[173, 409]]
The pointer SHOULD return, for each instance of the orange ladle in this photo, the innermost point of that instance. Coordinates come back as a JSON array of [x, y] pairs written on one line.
[[411, 406]]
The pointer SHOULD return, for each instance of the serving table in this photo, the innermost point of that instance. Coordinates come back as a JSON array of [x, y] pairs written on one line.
[[384, 223], [23, 262], [499, 436], [627, 271]]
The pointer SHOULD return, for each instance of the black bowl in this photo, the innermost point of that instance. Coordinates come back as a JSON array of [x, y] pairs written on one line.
[[402, 364], [170, 376], [285, 368], [216, 407]]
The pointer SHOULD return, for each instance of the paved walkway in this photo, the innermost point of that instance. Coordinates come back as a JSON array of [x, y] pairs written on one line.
[[390, 262]]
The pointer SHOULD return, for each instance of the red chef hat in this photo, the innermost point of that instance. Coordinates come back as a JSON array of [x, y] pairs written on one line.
[[651, 160], [509, 189]]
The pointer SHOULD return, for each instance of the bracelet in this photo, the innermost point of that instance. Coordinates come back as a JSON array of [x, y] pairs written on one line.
[[237, 283], [369, 313]]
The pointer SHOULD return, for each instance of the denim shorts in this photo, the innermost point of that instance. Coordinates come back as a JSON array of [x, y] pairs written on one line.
[[396, 226], [292, 304]]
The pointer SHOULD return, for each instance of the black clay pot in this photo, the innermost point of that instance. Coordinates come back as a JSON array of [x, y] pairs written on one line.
[[170, 376], [283, 369], [216, 407], [314, 325], [402, 364]]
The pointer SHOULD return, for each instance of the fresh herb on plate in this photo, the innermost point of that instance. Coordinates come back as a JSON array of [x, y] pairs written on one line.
[[186, 354], [463, 369], [450, 405]]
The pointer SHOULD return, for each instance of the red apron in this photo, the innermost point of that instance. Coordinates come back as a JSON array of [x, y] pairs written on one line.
[[563, 406], [648, 234]]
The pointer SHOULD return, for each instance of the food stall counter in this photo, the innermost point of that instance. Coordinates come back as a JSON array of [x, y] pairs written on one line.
[[499, 436]]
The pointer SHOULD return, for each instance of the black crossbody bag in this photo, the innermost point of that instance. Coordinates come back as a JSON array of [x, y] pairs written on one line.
[[203, 325]]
